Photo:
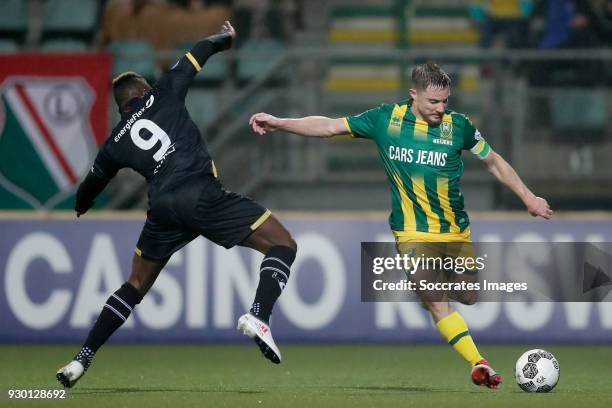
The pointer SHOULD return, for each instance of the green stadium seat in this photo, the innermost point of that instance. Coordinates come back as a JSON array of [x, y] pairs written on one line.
[[363, 74], [134, 55], [64, 45], [256, 57], [367, 23], [442, 25], [70, 17], [445, 23], [203, 105], [8, 46], [13, 19]]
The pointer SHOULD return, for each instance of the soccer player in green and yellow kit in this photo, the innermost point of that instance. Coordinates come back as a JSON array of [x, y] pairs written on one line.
[[420, 143]]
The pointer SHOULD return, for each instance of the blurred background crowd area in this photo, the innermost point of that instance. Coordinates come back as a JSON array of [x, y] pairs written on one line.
[[535, 76]]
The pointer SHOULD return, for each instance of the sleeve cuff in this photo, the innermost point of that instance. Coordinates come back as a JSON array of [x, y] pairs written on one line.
[[348, 127]]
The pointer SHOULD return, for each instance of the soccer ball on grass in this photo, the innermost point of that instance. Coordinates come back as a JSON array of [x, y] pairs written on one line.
[[537, 371]]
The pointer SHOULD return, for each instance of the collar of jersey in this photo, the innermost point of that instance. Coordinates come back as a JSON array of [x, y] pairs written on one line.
[[409, 113], [130, 106]]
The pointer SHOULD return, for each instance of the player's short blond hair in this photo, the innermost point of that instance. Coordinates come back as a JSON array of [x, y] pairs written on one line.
[[429, 74]]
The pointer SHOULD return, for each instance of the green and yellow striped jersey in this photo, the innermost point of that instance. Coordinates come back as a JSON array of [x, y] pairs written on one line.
[[423, 164]]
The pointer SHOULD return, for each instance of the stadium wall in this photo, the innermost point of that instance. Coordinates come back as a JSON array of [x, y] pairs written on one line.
[[57, 273]]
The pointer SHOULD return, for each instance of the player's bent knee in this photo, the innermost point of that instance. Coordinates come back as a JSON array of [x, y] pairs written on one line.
[[292, 244], [437, 308], [136, 283], [145, 272], [285, 240]]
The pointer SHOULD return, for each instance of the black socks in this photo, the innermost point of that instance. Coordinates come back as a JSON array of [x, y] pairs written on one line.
[[273, 276], [116, 310]]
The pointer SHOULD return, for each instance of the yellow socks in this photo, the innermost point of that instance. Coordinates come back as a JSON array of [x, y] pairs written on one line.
[[456, 333]]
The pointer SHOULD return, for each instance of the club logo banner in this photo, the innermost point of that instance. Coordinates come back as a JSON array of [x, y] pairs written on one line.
[[53, 112]]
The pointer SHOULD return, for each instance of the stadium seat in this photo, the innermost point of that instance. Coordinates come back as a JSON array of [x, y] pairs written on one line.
[[64, 45], [134, 55], [256, 57], [13, 19], [366, 74], [442, 25], [202, 105], [8, 46], [64, 17], [367, 23]]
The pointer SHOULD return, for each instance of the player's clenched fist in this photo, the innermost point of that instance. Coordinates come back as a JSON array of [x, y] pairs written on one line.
[[263, 123], [227, 28]]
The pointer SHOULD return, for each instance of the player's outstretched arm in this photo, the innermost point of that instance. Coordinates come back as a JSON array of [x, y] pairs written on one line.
[[87, 192], [209, 46], [537, 206], [310, 126], [182, 73]]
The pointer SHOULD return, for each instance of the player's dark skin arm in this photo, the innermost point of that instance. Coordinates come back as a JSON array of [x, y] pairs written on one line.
[[211, 45]]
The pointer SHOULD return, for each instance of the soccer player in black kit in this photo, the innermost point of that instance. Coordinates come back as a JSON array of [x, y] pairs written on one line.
[[157, 138]]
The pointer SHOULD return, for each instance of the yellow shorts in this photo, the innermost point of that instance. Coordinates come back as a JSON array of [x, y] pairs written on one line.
[[435, 245], [418, 236]]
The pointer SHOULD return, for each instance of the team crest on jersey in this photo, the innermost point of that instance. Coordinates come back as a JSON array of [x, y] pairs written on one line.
[[446, 130], [446, 134], [47, 140]]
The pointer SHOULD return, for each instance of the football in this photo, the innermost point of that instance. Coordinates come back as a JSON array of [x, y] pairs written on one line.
[[537, 371]]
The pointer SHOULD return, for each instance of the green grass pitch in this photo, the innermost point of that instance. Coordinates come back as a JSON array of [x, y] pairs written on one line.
[[322, 375]]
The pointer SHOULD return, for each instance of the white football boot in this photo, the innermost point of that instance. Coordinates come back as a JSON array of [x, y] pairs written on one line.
[[70, 373], [259, 331]]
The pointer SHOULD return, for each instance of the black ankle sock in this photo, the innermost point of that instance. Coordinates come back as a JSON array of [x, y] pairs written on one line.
[[117, 309], [273, 276]]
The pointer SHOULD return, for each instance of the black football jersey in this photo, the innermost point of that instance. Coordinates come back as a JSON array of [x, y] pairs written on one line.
[[156, 137]]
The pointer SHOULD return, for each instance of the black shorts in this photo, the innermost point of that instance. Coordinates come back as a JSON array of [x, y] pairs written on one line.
[[198, 207]]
